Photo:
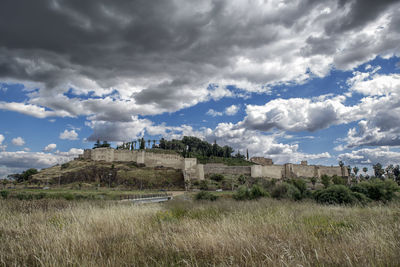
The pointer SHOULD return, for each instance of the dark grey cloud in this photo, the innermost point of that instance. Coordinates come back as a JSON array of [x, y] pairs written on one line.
[[160, 56], [360, 13]]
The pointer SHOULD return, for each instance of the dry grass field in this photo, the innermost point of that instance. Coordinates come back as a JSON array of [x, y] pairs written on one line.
[[186, 233]]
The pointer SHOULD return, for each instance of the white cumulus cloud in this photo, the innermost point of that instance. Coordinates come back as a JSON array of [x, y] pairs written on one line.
[[69, 135], [18, 141], [50, 147]]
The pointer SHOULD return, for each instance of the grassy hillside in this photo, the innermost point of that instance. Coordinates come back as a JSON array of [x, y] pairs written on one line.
[[182, 232], [105, 174]]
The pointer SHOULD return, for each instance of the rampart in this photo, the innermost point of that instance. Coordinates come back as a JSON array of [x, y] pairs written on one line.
[[218, 168], [192, 170]]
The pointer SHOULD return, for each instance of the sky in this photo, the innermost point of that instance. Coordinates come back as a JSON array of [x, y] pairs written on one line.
[[288, 80]]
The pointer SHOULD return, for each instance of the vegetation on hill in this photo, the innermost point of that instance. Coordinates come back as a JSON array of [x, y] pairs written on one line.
[[124, 175], [190, 146]]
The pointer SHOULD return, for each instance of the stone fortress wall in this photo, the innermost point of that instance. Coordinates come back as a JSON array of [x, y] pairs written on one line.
[[192, 170]]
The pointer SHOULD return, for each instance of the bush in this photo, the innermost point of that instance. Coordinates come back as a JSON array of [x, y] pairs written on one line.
[[339, 194], [244, 193], [217, 177], [203, 185], [203, 195], [301, 185], [64, 166], [325, 180], [22, 196], [257, 192], [377, 189], [4, 194], [41, 195], [68, 196], [339, 180], [285, 190]]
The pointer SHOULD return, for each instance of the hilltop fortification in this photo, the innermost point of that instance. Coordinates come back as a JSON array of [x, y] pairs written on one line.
[[193, 170]]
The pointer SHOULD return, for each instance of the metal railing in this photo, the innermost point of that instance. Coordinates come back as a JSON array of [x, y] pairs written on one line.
[[142, 196]]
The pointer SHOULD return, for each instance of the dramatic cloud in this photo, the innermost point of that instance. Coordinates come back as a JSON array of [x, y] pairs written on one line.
[[50, 147], [69, 135], [298, 114], [118, 59], [258, 144], [18, 141], [380, 108], [370, 156]]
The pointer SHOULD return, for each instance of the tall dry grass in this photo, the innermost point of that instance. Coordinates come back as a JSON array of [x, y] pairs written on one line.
[[266, 232]]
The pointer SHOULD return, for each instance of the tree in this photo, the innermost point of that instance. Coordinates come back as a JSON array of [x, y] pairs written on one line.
[[325, 180], [355, 170], [341, 164], [148, 143], [4, 182], [154, 143], [396, 173], [97, 144], [134, 144], [365, 169], [142, 143], [24, 176], [389, 171], [247, 154], [378, 170], [313, 181], [162, 143]]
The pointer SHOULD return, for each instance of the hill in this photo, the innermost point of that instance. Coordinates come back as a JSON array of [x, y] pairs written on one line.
[[107, 174]]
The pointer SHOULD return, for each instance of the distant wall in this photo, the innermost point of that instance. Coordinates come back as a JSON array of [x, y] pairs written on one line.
[[166, 160], [212, 168], [271, 171], [299, 170], [103, 154], [334, 170], [295, 171], [125, 155], [192, 170]]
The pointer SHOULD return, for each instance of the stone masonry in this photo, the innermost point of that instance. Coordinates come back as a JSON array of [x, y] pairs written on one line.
[[192, 170]]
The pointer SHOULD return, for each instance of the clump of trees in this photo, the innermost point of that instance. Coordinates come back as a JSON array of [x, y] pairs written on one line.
[[189, 146], [24, 176]]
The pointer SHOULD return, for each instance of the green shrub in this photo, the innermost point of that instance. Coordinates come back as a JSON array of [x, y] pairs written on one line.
[[258, 192], [361, 198], [203, 195], [377, 189], [301, 185], [203, 185], [22, 196], [242, 193], [255, 192], [68, 196], [4, 194], [339, 194], [339, 180], [286, 190], [64, 166], [41, 195], [325, 180], [217, 177]]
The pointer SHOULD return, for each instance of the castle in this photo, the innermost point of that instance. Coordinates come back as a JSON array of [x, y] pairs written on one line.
[[262, 167]]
